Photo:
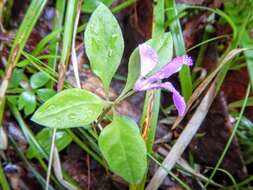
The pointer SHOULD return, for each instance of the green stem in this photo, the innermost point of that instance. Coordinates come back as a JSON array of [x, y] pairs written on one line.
[[57, 23]]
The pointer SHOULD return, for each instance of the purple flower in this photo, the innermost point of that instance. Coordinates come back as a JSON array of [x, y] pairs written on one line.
[[149, 59]]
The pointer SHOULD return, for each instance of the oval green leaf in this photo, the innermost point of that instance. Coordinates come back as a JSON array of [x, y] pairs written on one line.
[[69, 108], [27, 101], [39, 79], [164, 48], [63, 139], [124, 149], [104, 44]]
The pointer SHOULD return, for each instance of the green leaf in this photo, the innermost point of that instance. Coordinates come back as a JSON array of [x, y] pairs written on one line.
[[69, 108], [39, 79], [164, 48], [90, 5], [104, 44], [45, 93], [124, 149], [27, 101], [17, 76], [63, 139]]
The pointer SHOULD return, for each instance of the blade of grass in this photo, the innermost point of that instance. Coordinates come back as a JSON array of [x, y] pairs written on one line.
[[36, 174], [231, 137], [3, 135], [247, 42], [178, 40], [239, 103], [49, 38], [236, 41], [30, 19], [218, 12], [26, 131], [235, 185], [22, 35], [3, 180], [183, 140], [57, 23], [207, 41]]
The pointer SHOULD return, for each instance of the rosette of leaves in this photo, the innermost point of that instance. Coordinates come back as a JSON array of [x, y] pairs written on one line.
[[33, 90]]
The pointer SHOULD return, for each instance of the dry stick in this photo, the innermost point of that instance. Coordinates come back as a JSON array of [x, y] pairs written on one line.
[[183, 140]]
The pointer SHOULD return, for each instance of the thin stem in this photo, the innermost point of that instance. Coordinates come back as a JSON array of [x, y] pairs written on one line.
[[51, 158]]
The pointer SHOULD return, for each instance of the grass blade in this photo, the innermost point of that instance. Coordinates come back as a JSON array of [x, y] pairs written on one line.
[[178, 40], [20, 40], [3, 180]]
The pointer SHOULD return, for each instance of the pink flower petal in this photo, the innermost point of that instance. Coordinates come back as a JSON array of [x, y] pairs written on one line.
[[149, 59], [173, 67], [178, 100]]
